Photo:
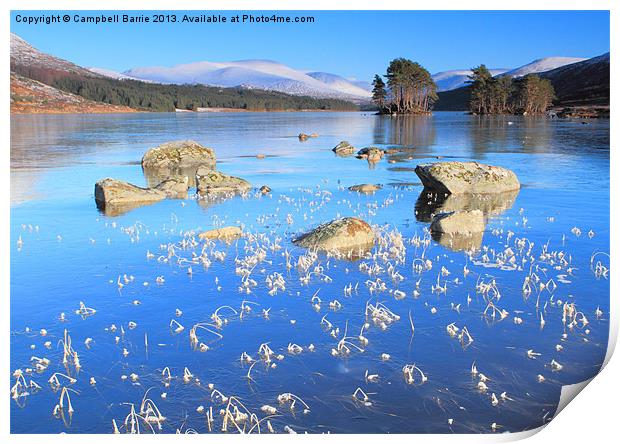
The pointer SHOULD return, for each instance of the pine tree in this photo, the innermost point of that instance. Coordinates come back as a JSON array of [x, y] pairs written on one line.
[[378, 91], [411, 87]]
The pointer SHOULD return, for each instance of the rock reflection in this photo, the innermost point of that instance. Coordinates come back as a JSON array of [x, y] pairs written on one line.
[[114, 210], [430, 203], [459, 242]]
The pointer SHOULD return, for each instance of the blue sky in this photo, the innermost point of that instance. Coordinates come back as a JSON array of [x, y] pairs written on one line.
[[349, 43]]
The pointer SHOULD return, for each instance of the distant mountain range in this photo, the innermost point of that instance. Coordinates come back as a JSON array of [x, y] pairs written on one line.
[[252, 74], [274, 76], [449, 80], [577, 82], [574, 79]]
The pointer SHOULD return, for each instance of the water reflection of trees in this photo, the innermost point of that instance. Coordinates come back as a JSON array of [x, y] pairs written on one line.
[[509, 133], [406, 131]]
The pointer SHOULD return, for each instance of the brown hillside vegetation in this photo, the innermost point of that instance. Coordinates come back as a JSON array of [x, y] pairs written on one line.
[[29, 96]]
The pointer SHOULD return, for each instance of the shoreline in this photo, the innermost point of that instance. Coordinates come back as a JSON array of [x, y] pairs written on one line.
[[210, 110]]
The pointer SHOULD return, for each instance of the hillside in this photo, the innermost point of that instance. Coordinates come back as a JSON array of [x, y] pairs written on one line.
[[31, 97], [123, 93], [583, 83]]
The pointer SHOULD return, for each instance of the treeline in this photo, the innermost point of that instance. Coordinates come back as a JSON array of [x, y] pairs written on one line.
[[160, 97], [410, 89], [504, 95]]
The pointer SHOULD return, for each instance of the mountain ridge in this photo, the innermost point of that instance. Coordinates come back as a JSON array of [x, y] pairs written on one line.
[[583, 83], [254, 73], [453, 79]]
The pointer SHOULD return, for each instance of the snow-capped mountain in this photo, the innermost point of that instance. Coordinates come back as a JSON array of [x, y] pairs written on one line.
[[261, 74], [447, 80], [112, 74], [542, 65], [342, 84]]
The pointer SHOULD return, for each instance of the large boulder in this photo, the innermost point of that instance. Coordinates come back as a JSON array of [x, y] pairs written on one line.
[[115, 197], [459, 222], [345, 235], [179, 155], [174, 187], [208, 181], [114, 192], [344, 148], [467, 177]]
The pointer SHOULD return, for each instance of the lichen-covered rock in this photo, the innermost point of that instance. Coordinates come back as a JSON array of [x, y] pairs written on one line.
[[115, 197], [208, 181], [344, 235], [459, 222], [114, 192], [365, 188], [174, 187], [467, 177], [372, 154], [179, 154], [221, 233], [344, 148]]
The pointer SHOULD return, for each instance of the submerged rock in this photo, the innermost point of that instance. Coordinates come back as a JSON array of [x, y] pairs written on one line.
[[221, 233], [208, 181], [372, 154], [459, 222], [303, 136], [174, 187], [344, 148], [178, 154], [365, 188], [344, 235], [467, 177]]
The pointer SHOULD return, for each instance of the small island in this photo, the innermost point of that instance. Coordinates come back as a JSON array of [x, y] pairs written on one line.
[[525, 95], [410, 89]]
